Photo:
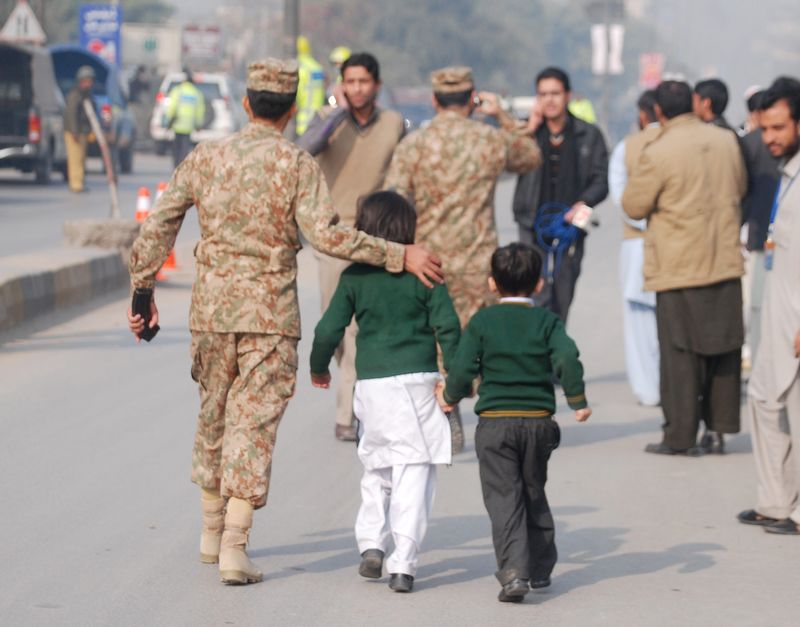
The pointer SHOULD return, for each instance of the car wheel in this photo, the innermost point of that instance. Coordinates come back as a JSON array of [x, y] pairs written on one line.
[[126, 160], [44, 168], [161, 148]]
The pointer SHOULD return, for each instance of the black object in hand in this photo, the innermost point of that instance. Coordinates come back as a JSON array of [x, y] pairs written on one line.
[[142, 298]]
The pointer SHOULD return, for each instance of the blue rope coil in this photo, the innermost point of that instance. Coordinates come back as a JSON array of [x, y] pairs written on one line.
[[554, 235]]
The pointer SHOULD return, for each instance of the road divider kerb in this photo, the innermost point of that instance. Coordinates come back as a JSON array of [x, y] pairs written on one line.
[[38, 283]]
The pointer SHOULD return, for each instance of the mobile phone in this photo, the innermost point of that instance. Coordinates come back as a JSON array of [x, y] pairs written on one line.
[[140, 305]]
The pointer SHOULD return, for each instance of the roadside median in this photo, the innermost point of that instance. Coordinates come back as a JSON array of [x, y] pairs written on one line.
[[34, 284]]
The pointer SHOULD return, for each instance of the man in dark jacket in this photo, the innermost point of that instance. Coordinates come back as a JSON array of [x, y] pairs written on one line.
[[574, 172], [709, 101]]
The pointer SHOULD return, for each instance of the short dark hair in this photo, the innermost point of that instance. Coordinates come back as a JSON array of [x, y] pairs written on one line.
[[647, 104], [387, 215], [556, 73], [674, 98], [452, 99], [783, 88], [516, 269], [365, 60], [717, 91], [270, 105], [754, 101]]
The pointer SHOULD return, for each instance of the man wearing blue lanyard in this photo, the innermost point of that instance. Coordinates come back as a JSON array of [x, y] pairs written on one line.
[[774, 388]]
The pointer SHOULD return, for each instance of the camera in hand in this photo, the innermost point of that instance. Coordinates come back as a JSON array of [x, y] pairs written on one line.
[[142, 297]]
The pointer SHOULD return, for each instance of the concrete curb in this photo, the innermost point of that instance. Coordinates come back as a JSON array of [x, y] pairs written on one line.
[[38, 283]]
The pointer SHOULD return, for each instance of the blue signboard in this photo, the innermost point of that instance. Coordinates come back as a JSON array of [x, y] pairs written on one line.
[[99, 27]]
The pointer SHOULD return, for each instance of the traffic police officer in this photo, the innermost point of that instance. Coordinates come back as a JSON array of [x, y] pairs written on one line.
[[185, 114], [311, 88], [255, 192]]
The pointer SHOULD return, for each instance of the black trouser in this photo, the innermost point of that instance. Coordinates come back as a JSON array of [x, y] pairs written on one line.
[[181, 147], [557, 295], [512, 455], [695, 387]]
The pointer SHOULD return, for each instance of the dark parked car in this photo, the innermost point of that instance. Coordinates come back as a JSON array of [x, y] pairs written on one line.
[[31, 112], [110, 100]]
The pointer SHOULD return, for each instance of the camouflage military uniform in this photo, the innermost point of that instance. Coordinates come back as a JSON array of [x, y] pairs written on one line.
[[449, 171], [254, 192]]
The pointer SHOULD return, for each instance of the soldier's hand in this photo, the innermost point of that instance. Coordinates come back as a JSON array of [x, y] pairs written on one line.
[[423, 264], [321, 380], [490, 103], [582, 415], [797, 344], [136, 323]]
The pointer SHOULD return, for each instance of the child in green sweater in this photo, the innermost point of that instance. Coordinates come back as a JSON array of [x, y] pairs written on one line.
[[516, 349], [403, 431]]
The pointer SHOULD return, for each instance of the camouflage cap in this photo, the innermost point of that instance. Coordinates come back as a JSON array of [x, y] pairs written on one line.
[[452, 79], [276, 75]]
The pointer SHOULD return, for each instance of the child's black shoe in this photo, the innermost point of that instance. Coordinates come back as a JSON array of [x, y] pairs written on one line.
[[514, 591], [371, 565], [400, 582]]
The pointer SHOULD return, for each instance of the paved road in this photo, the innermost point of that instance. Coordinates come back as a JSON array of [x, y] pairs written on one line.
[[31, 215], [101, 522]]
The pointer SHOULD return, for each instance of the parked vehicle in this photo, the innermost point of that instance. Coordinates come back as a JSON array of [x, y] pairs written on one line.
[[110, 101], [31, 112], [224, 113]]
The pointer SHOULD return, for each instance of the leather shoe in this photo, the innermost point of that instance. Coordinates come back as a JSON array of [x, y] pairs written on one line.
[[514, 591], [371, 565], [663, 449], [345, 433], [712, 442], [786, 527], [540, 583], [752, 517], [400, 582]]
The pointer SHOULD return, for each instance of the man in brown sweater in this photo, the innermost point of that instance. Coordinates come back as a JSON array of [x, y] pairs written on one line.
[[688, 183], [353, 144]]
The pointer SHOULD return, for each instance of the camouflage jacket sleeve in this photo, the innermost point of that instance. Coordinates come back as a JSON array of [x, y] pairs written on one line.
[[400, 176], [158, 232], [320, 224], [523, 154]]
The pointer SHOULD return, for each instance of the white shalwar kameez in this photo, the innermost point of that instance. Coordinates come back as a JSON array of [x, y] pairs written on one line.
[[403, 433]]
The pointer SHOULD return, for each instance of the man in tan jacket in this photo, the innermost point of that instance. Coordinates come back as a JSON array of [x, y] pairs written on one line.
[[353, 144], [688, 183]]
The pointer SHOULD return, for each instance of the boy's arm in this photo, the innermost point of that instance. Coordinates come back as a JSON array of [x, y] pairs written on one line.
[[566, 365], [445, 323], [466, 365], [330, 329]]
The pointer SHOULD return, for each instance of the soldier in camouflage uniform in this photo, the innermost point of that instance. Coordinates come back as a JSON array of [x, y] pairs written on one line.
[[449, 172], [255, 192]]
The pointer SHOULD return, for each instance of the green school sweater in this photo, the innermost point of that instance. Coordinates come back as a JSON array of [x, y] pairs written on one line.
[[399, 322], [516, 348]]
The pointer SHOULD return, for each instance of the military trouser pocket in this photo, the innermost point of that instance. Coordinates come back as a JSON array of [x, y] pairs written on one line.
[[287, 351], [197, 362]]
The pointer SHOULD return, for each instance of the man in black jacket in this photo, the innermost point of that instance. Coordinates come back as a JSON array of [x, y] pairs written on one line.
[[574, 172]]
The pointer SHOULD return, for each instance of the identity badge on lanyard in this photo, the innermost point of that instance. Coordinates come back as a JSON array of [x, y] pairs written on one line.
[[769, 245]]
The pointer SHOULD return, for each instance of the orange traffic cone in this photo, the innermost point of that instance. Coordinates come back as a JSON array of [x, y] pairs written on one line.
[[142, 204], [170, 263]]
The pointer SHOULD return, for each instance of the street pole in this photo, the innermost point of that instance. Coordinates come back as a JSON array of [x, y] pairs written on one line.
[[291, 27], [605, 106]]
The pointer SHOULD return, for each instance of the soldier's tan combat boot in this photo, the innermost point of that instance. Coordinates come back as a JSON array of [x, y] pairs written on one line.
[[213, 523], [235, 568]]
